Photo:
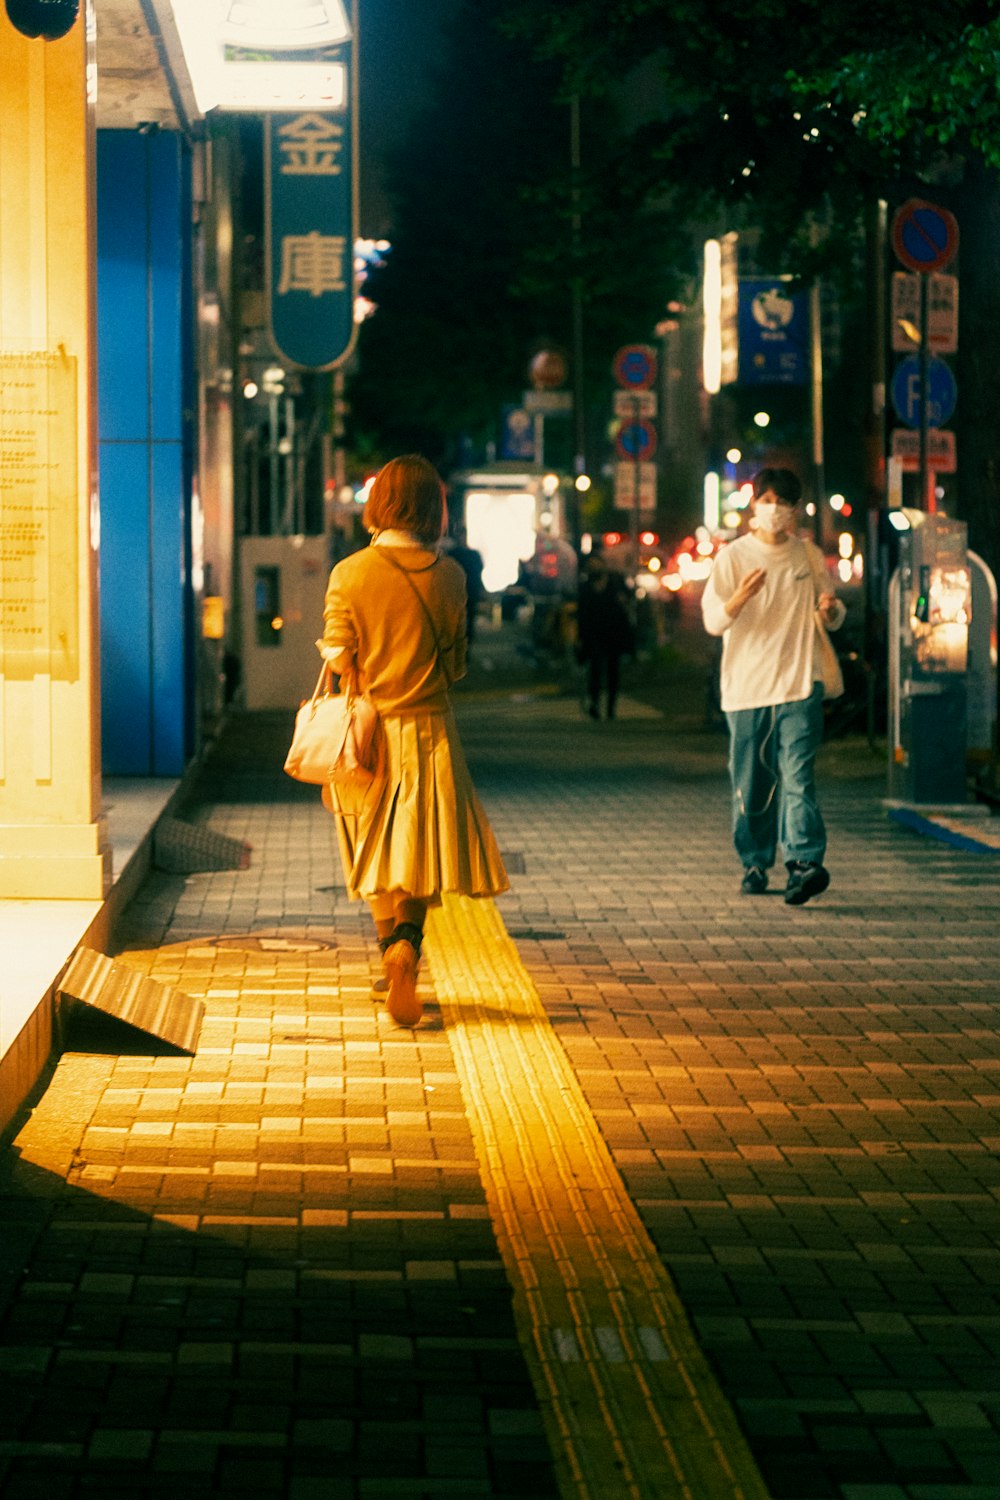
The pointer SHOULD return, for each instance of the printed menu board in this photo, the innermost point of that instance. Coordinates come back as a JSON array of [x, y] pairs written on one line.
[[39, 584]]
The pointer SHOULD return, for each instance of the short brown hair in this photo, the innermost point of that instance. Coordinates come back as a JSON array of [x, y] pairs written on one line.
[[408, 495]]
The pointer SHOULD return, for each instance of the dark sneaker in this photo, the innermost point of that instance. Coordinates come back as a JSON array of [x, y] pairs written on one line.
[[754, 881], [804, 882]]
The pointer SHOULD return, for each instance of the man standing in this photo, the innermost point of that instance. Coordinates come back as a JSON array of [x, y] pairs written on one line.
[[765, 595]]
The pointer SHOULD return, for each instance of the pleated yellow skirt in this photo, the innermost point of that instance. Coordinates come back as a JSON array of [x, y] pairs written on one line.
[[421, 830]]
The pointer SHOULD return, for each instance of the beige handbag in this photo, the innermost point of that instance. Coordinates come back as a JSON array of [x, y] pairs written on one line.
[[336, 737], [826, 656]]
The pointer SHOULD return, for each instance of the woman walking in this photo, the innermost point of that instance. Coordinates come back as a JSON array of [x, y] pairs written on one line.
[[395, 616]]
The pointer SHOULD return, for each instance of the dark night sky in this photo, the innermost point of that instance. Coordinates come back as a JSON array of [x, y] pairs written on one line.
[[399, 44]]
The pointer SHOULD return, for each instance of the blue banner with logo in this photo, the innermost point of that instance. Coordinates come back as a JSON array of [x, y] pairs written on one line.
[[311, 228], [773, 333]]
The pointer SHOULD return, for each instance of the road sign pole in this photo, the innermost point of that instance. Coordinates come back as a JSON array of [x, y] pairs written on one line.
[[926, 498], [637, 494]]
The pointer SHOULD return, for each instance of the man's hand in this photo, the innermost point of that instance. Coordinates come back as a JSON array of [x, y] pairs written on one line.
[[751, 583], [827, 606]]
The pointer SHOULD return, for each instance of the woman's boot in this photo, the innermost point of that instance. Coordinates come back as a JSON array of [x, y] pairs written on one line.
[[401, 960]]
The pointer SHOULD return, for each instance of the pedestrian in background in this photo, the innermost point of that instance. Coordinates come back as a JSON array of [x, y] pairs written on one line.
[[470, 560], [764, 597], [604, 633], [395, 615]]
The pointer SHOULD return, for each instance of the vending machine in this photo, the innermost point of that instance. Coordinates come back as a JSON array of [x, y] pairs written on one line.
[[930, 617]]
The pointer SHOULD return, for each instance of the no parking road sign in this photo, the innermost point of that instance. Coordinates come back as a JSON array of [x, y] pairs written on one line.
[[634, 367], [636, 440], [924, 236]]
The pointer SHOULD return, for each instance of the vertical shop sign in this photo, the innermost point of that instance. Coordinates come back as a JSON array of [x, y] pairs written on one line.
[[311, 207]]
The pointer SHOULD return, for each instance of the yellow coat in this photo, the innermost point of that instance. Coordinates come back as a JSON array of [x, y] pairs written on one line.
[[372, 611], [422, 830]]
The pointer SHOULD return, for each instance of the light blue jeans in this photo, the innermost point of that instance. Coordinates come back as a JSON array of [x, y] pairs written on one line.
[[772, 758]]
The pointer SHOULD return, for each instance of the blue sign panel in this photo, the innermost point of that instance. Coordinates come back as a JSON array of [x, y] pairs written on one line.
[[773, 334], [517, 434], [311, 228], [942, 391]]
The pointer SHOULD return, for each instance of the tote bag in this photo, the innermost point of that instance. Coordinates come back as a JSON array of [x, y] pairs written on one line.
[[336, 737], [826, 656]]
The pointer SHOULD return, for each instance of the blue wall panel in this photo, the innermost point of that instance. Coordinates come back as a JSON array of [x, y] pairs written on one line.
[[166, 245], [146, 461], [122, 302], [125, 619], [168, 594]]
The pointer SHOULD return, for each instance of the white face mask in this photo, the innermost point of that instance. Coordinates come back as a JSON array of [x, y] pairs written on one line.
[[774, 518]]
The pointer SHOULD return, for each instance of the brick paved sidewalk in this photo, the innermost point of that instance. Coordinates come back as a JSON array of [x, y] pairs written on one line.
[[803, 1104]]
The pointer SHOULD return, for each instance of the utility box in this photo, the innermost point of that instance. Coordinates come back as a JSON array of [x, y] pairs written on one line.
[[930, 618], [283, 581]]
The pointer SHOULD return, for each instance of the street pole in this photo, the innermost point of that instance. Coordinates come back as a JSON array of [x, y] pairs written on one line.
[[274, 466], [291, 508], [926, 501], [576, 292], [637, 495], [816, 360]]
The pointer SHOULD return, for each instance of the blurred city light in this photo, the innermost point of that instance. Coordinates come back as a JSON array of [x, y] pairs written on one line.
[[219, 43], [712, 304], [712, 506], [582, 482], [837, 502], [734, 455], [762, 419], [502, 528]]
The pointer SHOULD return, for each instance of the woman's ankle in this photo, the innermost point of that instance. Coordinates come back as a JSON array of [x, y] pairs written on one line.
[[405, 932]]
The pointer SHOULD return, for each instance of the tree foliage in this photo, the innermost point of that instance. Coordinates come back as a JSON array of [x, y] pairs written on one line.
[[491, 232], [791, 114]]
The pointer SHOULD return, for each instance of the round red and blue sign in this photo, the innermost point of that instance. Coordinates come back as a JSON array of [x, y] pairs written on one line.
[[634, 367], [636, 440], [924, 236]]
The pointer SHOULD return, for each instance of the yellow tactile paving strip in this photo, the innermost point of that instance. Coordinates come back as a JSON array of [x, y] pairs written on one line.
[[630, 1404]]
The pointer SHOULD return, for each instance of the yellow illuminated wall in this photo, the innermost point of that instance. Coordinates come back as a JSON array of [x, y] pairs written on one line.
[[51, 835]]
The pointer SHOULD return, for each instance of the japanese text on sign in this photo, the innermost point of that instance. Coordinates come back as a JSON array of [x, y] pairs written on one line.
[[39, 625], [311, 147], [312, 263]]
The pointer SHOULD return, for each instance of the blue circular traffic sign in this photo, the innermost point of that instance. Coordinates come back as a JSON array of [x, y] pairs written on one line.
[[636, 440], [924, 236], [635, 367], [942, 391]]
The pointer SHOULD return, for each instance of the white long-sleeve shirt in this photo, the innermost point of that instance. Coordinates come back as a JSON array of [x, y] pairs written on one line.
[[769, 652]]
